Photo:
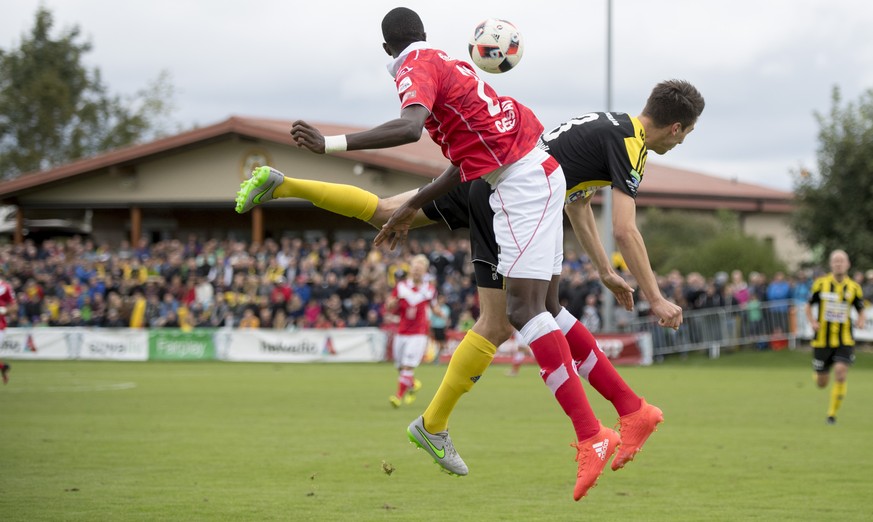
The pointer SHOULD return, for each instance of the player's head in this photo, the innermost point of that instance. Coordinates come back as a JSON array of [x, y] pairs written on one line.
[[672, 110], [401, 27], [418, 267], [839, 263]]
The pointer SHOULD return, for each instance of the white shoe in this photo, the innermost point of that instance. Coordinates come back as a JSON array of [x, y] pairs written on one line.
[[438, 445], [258, 188]]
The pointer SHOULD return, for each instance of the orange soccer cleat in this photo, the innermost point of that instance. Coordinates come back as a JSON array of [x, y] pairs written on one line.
[[635, 428], [592, 456]]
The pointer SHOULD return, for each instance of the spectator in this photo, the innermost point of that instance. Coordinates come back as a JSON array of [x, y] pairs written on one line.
[[249, 319]]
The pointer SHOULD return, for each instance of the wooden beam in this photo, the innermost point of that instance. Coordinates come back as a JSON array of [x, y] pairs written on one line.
[[135, 225], [258, 225]]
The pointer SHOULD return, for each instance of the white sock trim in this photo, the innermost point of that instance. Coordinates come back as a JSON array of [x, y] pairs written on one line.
[[587, 365], [565, 320], [557, 378], [537, 327]]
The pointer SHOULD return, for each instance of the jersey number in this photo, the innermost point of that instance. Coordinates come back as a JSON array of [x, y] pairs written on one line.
[[492, 104], [564, 127]]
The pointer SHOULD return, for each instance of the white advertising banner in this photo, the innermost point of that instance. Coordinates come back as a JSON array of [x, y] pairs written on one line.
[[113, 344], [345, 345], [38, 343]]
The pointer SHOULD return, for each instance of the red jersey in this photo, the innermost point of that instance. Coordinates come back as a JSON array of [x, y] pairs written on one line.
[[7, 297], [412, 304], [477, 130]]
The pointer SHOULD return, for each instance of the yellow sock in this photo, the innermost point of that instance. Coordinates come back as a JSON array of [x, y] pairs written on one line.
[[468, 363], [838, 393], [340, 199]]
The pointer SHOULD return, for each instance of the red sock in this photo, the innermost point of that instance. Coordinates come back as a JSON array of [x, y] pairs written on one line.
[[553, 356], [404, 382], [595, 367]]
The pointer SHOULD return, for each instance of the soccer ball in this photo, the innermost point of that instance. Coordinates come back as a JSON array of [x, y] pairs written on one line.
[[496, 46]]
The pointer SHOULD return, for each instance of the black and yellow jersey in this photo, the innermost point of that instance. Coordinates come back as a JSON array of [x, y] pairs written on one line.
[[598, 149], [834, 316]]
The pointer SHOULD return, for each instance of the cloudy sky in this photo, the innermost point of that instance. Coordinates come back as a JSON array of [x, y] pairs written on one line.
[[765, 67]]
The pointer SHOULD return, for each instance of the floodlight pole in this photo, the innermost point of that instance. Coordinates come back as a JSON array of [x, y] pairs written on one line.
[[608, 301]]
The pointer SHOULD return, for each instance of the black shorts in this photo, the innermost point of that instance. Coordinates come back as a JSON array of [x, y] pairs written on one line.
[[467, 206], [439, 334], [824, 358]]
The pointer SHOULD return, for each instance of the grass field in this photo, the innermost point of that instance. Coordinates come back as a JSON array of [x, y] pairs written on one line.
[[744, 439]]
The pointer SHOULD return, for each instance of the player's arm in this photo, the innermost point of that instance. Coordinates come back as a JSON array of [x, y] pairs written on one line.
[[585, 228], [400, 131], [859, 306], [633, 249]]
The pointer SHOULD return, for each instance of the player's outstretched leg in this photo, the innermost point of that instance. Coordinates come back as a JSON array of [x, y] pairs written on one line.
[[258, 189], [268, 183], [635, 429], [438, 445], [592, 455]]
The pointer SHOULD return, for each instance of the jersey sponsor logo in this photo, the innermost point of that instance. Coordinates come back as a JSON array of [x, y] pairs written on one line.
[[576, 195], [634, 182], [611, 118], [509, 119], [404, 84], [403, 71]]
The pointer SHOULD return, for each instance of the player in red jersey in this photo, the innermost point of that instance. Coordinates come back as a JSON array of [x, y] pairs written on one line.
[[7, 300], [410, 301], [494, 138]]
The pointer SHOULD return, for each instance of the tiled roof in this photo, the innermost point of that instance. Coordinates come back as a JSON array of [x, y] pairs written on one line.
[[663, 186]]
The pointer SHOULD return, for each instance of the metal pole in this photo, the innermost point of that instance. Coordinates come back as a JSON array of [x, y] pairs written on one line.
[[606, 209]]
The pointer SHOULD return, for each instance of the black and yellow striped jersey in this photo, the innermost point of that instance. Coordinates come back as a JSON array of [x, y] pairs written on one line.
[[834, 315], [599, 149]]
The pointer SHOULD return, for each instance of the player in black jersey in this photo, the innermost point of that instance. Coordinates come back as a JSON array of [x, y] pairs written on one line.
[[595, 150], [834, 294], [609, 149]]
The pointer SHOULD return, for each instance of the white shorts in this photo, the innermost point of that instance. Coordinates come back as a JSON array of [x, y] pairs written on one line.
[[528, 205], [409, 350]]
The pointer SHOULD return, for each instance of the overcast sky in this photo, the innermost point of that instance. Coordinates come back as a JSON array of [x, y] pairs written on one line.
[[765, 67]]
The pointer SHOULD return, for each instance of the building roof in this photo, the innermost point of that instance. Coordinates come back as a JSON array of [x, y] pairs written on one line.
[[664, 186]]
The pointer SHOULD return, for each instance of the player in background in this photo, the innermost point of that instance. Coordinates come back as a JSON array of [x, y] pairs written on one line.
[[440, 319], [485, 136], [410, 300], [669, 115], [7, 301], [834, 343]]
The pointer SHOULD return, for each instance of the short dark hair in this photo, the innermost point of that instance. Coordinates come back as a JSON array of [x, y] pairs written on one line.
[[401, 27], [674, 101]]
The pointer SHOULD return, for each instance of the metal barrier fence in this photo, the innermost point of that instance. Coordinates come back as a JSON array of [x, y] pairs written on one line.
[[768, 325]]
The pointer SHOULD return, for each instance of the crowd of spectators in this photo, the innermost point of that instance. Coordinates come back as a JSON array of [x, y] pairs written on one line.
[[293, 283]]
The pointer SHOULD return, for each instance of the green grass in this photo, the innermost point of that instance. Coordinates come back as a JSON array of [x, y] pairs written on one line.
[[744, 439]]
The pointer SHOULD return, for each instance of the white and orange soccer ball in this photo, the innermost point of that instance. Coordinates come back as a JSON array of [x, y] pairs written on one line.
[[496, 46]]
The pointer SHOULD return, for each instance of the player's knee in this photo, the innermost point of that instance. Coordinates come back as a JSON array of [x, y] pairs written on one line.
[[495, 330]]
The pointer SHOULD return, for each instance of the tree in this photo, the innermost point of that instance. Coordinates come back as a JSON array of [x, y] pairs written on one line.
[[54, 110], [834, 208], [695, 242]]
